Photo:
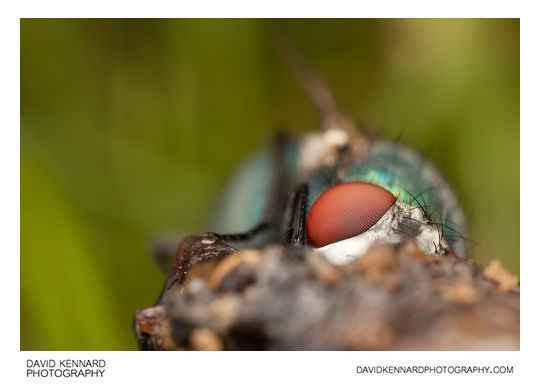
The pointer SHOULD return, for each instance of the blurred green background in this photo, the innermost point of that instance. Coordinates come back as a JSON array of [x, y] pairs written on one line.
[[130, 127]]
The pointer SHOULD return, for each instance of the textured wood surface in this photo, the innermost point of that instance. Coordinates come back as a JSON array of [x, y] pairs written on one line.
[[393, 298]]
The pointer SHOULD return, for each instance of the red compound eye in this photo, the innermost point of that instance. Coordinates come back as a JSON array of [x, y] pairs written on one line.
[[346, 210]]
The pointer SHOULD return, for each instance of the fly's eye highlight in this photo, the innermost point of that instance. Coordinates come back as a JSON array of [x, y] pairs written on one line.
[[346, 210]]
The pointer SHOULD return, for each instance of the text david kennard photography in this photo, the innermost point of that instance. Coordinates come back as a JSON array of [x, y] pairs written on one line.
[[65, 368]]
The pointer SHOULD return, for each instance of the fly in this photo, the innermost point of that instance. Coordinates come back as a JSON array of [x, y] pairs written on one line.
[[337, 191]]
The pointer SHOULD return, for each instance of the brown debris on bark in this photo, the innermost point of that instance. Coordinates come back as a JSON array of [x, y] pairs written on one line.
[[393, 298]]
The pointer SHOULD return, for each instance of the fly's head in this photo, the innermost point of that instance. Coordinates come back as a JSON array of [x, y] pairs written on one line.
[[349, 218]]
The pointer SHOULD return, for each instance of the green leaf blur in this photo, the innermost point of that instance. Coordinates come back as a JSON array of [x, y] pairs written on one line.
[[130, 127]]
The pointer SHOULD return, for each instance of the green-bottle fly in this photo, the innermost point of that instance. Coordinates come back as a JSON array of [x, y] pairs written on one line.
[[335, 191], [339, 191]]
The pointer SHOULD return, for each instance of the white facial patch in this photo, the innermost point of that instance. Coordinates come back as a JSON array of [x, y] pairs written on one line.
[[402, 221]]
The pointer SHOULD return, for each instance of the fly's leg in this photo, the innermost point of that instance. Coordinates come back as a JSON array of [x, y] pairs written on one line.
[[279, 180], [164, 248], [298, 236], [279, 183], [294, 221], [244, 236]]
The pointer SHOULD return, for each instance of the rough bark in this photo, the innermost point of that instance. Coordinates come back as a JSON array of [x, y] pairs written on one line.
[[393, 298]]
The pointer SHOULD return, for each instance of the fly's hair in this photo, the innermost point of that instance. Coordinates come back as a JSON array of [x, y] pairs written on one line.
[[421, 205], [428, 215], [446, 231]]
